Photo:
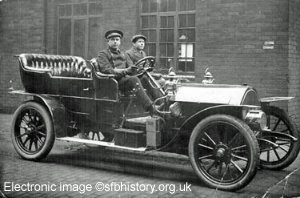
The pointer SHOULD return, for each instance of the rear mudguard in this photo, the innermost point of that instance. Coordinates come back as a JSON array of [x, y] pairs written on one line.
[[57, 112]]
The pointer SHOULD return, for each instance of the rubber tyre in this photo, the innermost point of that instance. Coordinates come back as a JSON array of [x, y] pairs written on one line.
[[295, 146], [198, 134], [32, 128]]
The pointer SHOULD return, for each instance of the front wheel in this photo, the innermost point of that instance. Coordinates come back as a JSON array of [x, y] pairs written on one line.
[[224, 152], [32, 131]]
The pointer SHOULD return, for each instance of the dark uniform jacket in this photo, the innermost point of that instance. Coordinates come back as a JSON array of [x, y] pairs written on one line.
[[113, 62]]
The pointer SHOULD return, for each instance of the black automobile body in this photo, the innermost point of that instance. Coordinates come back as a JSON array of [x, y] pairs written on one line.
[[226, 130]]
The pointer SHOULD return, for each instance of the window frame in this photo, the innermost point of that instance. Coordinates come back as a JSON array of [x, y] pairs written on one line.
[[76, 17], [177, 27]]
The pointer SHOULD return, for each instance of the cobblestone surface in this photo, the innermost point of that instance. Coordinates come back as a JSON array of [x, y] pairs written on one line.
[[74, 170]]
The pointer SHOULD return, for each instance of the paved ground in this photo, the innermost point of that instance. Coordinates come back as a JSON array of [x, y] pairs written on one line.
[[74, 170]]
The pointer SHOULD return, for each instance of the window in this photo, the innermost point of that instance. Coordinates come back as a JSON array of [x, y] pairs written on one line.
[[79, 28], [169, 26]]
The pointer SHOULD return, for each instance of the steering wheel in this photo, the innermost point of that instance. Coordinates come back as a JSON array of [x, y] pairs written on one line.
[[145, 64]]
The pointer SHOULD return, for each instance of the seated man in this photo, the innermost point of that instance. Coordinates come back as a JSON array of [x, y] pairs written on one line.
[[136, 53], [113, 61]]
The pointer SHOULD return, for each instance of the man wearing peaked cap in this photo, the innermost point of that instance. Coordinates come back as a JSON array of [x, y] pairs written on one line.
[[113, 33], [113, 61], [139, 36]]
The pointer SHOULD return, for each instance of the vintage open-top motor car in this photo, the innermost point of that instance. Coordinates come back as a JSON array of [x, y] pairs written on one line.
[[226, 130]]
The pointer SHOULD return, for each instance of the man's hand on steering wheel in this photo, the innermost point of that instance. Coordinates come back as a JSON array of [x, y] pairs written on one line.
[[145, 64], [131, 70]]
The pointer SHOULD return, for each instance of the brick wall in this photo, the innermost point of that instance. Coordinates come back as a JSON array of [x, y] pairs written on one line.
[[230, 39], [21, 30], [294, 60]]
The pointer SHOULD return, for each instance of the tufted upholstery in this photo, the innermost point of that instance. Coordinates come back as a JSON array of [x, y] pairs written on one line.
[[56, 65]]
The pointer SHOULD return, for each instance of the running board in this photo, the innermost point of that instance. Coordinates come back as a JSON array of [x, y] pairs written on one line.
[[100, 143]]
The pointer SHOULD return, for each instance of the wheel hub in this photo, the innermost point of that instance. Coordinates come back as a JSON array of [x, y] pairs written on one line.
[[222, 153], [31, 130]]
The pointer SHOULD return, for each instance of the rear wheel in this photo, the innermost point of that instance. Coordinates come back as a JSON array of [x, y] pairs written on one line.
[[224, 152], [279, 144], [32, 131]]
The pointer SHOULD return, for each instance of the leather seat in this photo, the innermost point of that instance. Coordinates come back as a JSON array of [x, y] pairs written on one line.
[[57, 65]]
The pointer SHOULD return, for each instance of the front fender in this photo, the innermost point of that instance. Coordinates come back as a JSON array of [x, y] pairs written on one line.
[[57, 112], [235, 111]]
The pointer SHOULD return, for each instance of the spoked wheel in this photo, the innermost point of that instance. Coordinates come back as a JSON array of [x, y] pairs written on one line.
[[279, 143], [32, 131], [224, 152]]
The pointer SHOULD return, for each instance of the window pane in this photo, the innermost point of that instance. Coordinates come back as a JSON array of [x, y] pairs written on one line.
[[152, 22], [166, 50], [149, 21], [151, 36], [191, 35], [182, 20], [190, 66], [172, 5], [182, 5], [164, 6], [64, 41], [191, 20], [145, 22], [186, 66], [181, 66], [163, 22], [168, 5], [186, 51], [94, 34], [65, 10], [170, 35], [165, 63], [145, 6], [151, 49], [153, 6], [186, 35], [79, 37], [167, 35], [182, 35], [95, 8], [80, 9], [163, 50], [170, 50], [167, 22], [163, 35], [185, 5], [170, 21]]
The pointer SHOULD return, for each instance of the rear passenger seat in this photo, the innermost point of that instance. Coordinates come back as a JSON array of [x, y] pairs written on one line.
[[56, 65]]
